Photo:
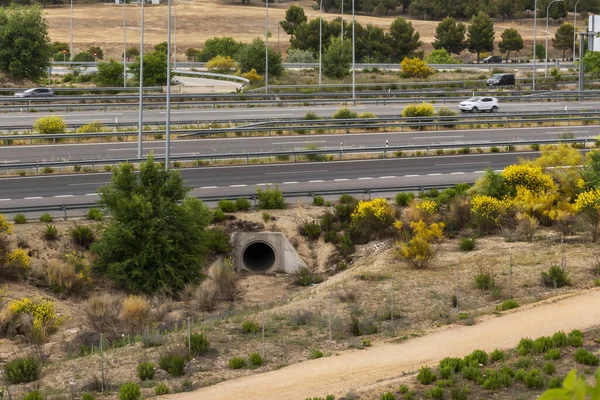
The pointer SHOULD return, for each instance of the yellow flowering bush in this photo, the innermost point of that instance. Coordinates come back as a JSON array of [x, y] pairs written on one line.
[[6, 226], [379, 207], [16, 263], [536, 204], [371, 219], [587, 204], [253, 76], [221, 64], [428, 206], [70, 275], [92, 127], [419, 251], [529, 177], [415, 68], [487, 211], [49, 125], [418, 110], [135, 312], [46, 320]]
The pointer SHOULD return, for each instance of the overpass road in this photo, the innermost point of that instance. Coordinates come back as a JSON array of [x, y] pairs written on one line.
[[206, 146], [23, 120]]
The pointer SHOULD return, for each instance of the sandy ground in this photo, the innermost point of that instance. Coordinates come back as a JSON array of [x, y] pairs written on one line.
[[379, 365]]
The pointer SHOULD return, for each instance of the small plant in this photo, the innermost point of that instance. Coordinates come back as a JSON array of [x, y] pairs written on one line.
[[494, 149], [255, 359], [145, 371], [508, 305], [542, 344], [51, 233], [49, 125], [173, 363], [471, 372], [227, 206], [45, 217], [22, 370], [524, 362], [459, 393], [583, 356], [33, 395], [477, 356], [311, 230], [87, 396], [83, 235], [306, 277], [549, 368], [218, 215], [318, 200], [575, 338], [345, 113], [270, 199], [497, 355], [266, 217], [403, 389], [556, 277], [426, 376], [237, 362], [94, 214], [314, 353], [161, 389], [525, 346], [250, 327], [552, 354], [198, 344], [555, 382], [484, 280], [435, 393], [387, 396], [560, 339], [129, 391], [534, 379], [467, 244], [20, 219], [242, 204], [403, 199]]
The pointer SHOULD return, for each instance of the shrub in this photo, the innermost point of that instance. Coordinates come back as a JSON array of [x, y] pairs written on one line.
[[471, 372], [94, 214], [454, 364], [549, 368], [534, 379], [22, 370], [218, 241], [542, 344], [311, 116], [467, 244], [33, 395], [255, 359], [242, 204], [51, 233], [198, 344], [582, 356], [314, 353], [387, 396], [524, 362], [161, 389], [560, 339], [227, 206], [225, 278], [145, 371], [419, 251], [552, 354], [459, 393], [270, 199], [102, 313], [16, 263], [497, 355], [478, 356], [525, 346], [526, 227], [415, 68], [45, 217], [253, 76], [311, 230], [345, 113], [575, 338], [92, 127], [250, 327], [20, 219], [402, 199], [435, 393], [307, 277], [87, 396], [266, 217], [556, 277], [221, 64], [418, 110], [218, 215], [508, 305], [44, 319], [237, 362], [83, 235], [484, 280], [129, 391], [318, 201], [49, 125], [403, 389], [173, 363], [72, 274], [426, 376], [555, 382], [520, 375]]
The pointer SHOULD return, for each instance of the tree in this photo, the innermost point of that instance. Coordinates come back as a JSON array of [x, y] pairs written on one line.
[[473, 7], [440, 56], [25, 49], [591, 171], [371, 44], [99, 54], [421, 8], [132, 52], [253, 57], [152, 243], [306, 36], [506, 8], [480, 34], [557, 9], [84, 56], [574, 388], [591, 63], [563, 39], [162, 47], [511, 41], [294, 16], [224, 46], [402, 39], [300, 56], [57, 51], [450, 35], [109, 74], [540, 51], [155, 69], [445, 8], [337, 58], [380, 10]]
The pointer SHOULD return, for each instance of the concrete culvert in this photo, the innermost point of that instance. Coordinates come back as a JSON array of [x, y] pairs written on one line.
[[258, 257]]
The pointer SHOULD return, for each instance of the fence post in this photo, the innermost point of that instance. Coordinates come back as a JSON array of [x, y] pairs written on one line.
[[263, 329], [392, 307], [330, 313], [189, 337], [510, 276], [102, 359], [457, 307]]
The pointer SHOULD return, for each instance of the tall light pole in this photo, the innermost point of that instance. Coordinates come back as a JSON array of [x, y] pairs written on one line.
[[175, 36], [534, 41], [71, 35], [124, 43], [320, 39], [141, 101], [574, 28], [267, 47], [168, 120], [547, 18], [353, 58], [342, 21]]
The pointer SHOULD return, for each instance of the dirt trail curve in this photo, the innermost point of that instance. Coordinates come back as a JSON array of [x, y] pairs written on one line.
[[362, 368]]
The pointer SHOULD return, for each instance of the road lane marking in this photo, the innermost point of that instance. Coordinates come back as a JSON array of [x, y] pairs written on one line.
[[317, 181], [296, 172], [341, 180], [365, 179], [479, 172], [410, 176], [387, 177], [469, 163], [32, 198], [456, 173], [92, 194], [434, 174], [209, 187], [237, 185], [63, 195], [5, 199], [88, 183], [438, 137], [290, 183]]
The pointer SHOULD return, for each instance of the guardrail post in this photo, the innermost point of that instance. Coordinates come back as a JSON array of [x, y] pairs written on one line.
[[247, 158], [64, 210], [37, 169], [369, 193]]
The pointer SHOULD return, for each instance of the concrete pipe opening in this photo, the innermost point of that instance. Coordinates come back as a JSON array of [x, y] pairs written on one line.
[[258, 257]]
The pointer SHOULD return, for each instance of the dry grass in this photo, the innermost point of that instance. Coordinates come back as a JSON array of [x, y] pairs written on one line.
[[102, 313], [135, 313], [64, 278]]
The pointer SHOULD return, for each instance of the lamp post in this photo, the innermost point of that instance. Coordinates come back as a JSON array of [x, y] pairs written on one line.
[[320, 39], [534, 41], [141, 101], [575, 28], [64, 55], [175, 35], [168, 118], [124, 43], [342, 21], [353, 58], [547, 18], [71, 34], [267, 47]]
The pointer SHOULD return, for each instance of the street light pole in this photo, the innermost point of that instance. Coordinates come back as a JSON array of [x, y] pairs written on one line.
[[574, 29], [71, 35], [175, 35], [168, 119], [342, 21], [124, 43], [267, 47], [353, 58], [141, 101], [320, 39], [534, 41], [547, 19]]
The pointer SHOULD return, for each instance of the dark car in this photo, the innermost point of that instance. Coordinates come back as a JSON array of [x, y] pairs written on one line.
[[501, 80], [36, 92], [492, 60]]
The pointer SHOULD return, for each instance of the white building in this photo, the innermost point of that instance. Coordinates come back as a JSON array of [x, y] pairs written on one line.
[[593, 31]]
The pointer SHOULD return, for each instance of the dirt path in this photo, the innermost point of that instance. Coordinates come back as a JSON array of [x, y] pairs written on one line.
[[362, 368]]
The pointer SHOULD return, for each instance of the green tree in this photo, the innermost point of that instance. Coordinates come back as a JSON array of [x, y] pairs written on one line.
[[84, 56], [155, 69], [25, 49], [402, 39], [57, 51], [557, 9], [421, 8], [99, 54], [440, 56], [472, 7], [306, 36], [109, 74], [450, 35], [224, 46], [337, 58], [132, 52], [162, 47], [511, 41], [591, 170], [300, 56], [152, 243], [445, 8], [591, 63], [371, 44], [506, 8], [294, 16], [563, 39], [480, 34], [253, 57], [540, 51]]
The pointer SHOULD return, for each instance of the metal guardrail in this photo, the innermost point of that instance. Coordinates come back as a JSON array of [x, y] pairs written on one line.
[[298, 153], [212, 75]]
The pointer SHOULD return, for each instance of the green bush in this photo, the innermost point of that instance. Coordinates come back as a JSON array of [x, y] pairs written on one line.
[[478, 356], [161, 389], [87, 396], [535, 379], [542, 344], [33, 395], [467, 244], [508, 305], [83, 235], [497, 355], [250, 327], [92, 127], [51, 233], [524, 362], [227, 206], [145, 371], [345, 113], [314, 353], [255, 359], [471, 372], [242, 204], [94, 214], [454, 364], [426, 376], [560, 339], [582, 356], [198, 344], [418, 110], [403, 199], [556, 277], [552, 354], [387, 396], [130, 391], [484, 281], [403, 389], [270, 199], [311, 230], [306, 277], [435, 393], [45, 217], [311, 116], [520, 375], [549, 368], [575, 338], [525, 346], [237, 362], [20, 219], [318, 201], [218, 215], [50, 125], [173, 363], [218, 241], [555, 382], [459, 393]]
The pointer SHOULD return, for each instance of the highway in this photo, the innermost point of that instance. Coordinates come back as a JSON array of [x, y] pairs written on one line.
[[205, 146], [243, 180], [23, 120]]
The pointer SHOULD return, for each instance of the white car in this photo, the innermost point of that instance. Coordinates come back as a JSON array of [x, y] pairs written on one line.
[[477, 104]]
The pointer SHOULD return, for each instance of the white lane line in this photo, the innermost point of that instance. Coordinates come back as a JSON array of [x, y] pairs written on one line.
[[456, 173], [290, 183], [434, 174], [467, 163], [92, 194], [296, 172], [365, 179], [317, 181], [89, 183], [5, 199], [410, 176], [32, 198], [306, 142], [63, 195], [237, 185], [479, 172], [341, 180], [437, 137], [387, 177], [263, 184], [209, 187]]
